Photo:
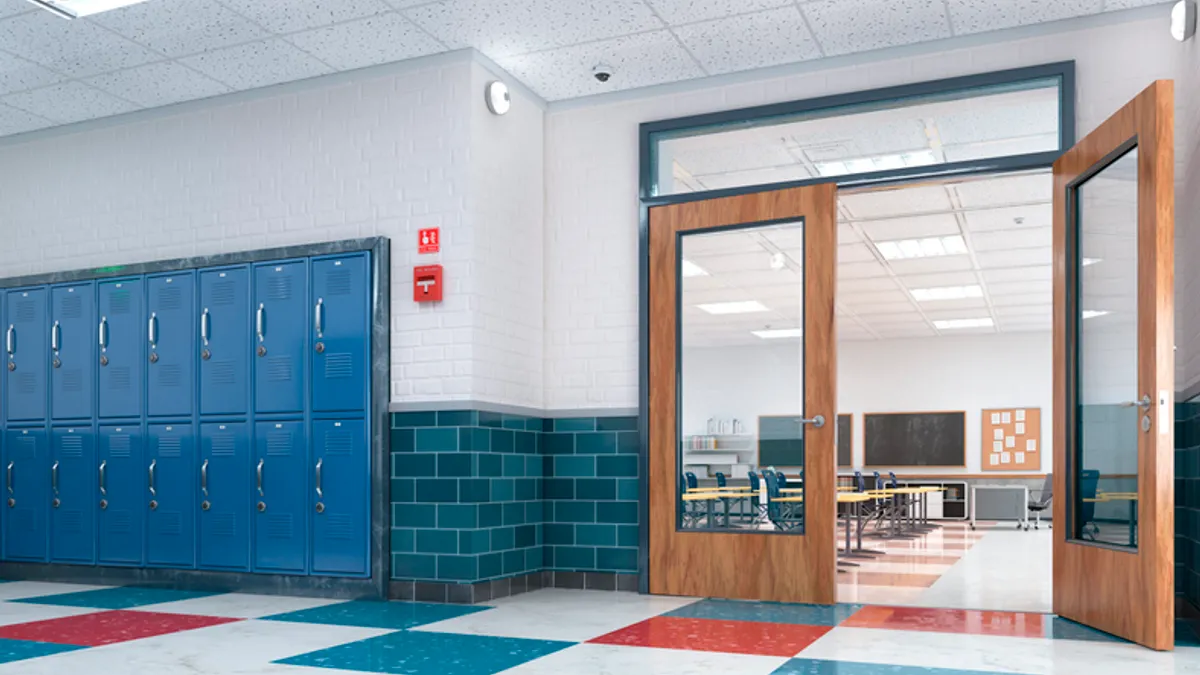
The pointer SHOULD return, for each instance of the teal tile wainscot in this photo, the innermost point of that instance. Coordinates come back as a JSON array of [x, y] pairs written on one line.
[[486, 505], [1187, 506]]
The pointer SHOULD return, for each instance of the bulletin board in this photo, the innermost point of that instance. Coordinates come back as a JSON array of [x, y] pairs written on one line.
[[1012, 439]]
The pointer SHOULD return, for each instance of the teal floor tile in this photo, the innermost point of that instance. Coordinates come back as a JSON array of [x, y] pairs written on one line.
[[418, 653], [1059, 628], [116, 598], [375, 614], [19, 650], [767, 612], [822, 667]]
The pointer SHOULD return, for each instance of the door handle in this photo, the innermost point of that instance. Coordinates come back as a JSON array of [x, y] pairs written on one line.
[[204, 478], [204, 318], [152, 329], [818, 421], [55, 332], [54, 478], [318, 316], [258, 472], [260, 323], [103, 333], [320, 494], [103, 464], [9, 479], [10, 340], [153, 463], [1144, 403]]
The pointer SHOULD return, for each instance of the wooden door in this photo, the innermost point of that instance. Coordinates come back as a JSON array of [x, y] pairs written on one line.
[[1114, 493], [760, 561]]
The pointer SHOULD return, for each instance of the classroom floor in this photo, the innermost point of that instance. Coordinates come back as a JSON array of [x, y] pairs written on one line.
[[993, 567], [50, 629]]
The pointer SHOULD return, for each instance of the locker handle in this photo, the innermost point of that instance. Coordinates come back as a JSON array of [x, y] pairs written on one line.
[[152, 329], [10, 340], [55, 333], [204, 478], [103, 333], [320, 494], [258, 473], [9, 481], [103, 490], [54, 478], [204, 319], [153, 463], [318, 316], [260, 326]]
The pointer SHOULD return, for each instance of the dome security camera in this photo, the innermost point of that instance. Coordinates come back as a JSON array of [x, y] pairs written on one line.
[[602, 73]]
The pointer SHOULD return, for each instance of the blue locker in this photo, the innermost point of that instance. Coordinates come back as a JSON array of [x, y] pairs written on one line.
[[280, 328], [225, 341], [27, 494], [73, 365], [225, 496], [27, 342], [73, 480], [341, 496], [122, 500], [122, 337], [169, 492], [281, 528], [341, 333], [170, 341]]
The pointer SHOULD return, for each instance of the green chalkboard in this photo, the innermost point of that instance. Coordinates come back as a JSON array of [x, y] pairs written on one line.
[[915, 439], [780, 441], [845, 440]]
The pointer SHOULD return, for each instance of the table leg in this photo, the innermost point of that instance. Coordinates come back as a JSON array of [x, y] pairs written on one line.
[[709, 503], [848, 531], [726, 512], [1133, 522], [971, 494]]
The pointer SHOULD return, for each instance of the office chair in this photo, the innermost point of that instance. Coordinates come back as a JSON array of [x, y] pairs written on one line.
[[720, 479], [782, 479], [879, 484], [783, 515], [692, 483], [1089, 482], [1041, 502], [860, 482]]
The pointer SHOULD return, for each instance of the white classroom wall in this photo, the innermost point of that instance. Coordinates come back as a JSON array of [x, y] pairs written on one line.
[[967, 373]]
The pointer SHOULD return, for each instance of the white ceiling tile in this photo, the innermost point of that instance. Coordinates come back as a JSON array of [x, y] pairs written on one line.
[[854, 253], [1045, 287], [1026, 237], [356, 44], [257, 64], [289, 16], [754, 177], [866, 285], [975, 16], [1012, 218], [1006, 191], [638, 61], [906, 331], [874, 310], [1016, 300], [725, 153], [843, 27], [180, 27], [946, 263], [158, 84], [913, 227], [856, 299], [939, 280], [976, 305], [846, 234], [73, 48], [1014, 258], [500, 28], [912, 318], [947, 314], [14, 121], [676, 12], [68, 102], [401, 4], [892, 202], [747, 41], [1036, 273], [14, 7], [17, 74], [860, 270], [1114, 5]]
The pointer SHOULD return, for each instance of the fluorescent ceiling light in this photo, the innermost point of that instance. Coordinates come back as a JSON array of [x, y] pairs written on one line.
[[690, 269], [739, 307], [778, 333], [947, 293], [953, 324], [1084, 262], [73, 9], [928, 247], [877, 163], [1093, 313]]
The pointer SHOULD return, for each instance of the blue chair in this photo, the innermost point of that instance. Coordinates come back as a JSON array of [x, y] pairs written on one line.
[[892, 476], [782, 479], [1089, 482], [879, 484], [784, 515], [860, 482], [692, 483], [720, 479]]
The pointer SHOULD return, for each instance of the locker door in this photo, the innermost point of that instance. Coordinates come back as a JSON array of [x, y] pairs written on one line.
[[281, 529], [27, 342], [122, 502], [281, 319], [225, 495], [73, 495], [72, 334], [342, 491], [169, 336], [27, 488], [340, 333], [225, 341], [122, 337], [169, 480]]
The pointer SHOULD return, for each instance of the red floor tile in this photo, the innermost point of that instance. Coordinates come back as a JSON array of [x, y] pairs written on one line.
[[106, 628], [965, 621], [708, 635]]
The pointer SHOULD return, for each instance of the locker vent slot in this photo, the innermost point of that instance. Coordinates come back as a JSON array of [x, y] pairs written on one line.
[[170, 446], [223, 445], [119, 302], [26, 311], [224, 372], [69, 522], [25, 447], [223, 292], [168, 523], [338, 366], [170, 375], [279, 444], [120, 522], [23, 520], [169, 298], [72, 380], [27, 382], [279, 287], [71, 447], [119, 378], [279, 369], [72, 307], [280, 526], [119, 446], [337, 281], [223, 525], [339, 443], [339, 527]]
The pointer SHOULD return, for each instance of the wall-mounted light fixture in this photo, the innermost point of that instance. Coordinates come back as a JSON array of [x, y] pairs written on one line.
[[1183, 20], [73, 9], [497, 97]]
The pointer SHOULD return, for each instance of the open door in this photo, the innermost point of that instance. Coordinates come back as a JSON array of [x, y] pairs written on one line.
[[731, 274], [1114, 555]]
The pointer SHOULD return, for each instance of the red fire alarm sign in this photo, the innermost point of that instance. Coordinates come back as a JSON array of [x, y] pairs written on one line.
[[429, 240]]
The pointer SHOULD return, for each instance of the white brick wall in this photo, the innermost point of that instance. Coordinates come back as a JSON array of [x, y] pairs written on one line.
[[1187, 219], [592, 182]]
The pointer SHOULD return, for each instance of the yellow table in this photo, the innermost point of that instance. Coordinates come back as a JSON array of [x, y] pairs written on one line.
[[1131, 497], [791, 491]]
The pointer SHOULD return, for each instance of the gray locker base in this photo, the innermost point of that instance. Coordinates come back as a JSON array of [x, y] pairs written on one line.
[[197, 580]]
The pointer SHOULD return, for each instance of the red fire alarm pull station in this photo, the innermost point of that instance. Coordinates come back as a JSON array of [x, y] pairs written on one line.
[[427, 283]]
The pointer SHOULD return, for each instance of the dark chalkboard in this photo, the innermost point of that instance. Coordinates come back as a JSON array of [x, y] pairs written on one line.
[[845, 440], [780, 441], [915, 439]]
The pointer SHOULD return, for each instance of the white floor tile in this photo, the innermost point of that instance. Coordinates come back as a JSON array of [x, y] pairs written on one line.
[[238, 605], [1006, 570], [18, 612], [616, 660], [17, 590]]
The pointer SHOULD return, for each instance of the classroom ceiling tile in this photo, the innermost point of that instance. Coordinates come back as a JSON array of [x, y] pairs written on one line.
[[1031, 273], [17, 74], [73, 48], [180, 27], [963, 304], [15, 121], [156, 84], [1015, 257], [1005, 147], [939, 280], [256, 64], [1000, 240], [1010, 218], [1007, 190], [854, 253], [1021, 288], [1032, 113], [945, 263], [846, 234], [904, 331], [977, 16], [733, 179], [872, 311], [366, 42], [860, 270], [678, 12], [290, 16], [893, 202], [14, 7], [912, 317], [863, 285], [844, 27], [756, 40], [732, 156], [68, 102], [854, 300], [1017, 300], [913, 227]]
